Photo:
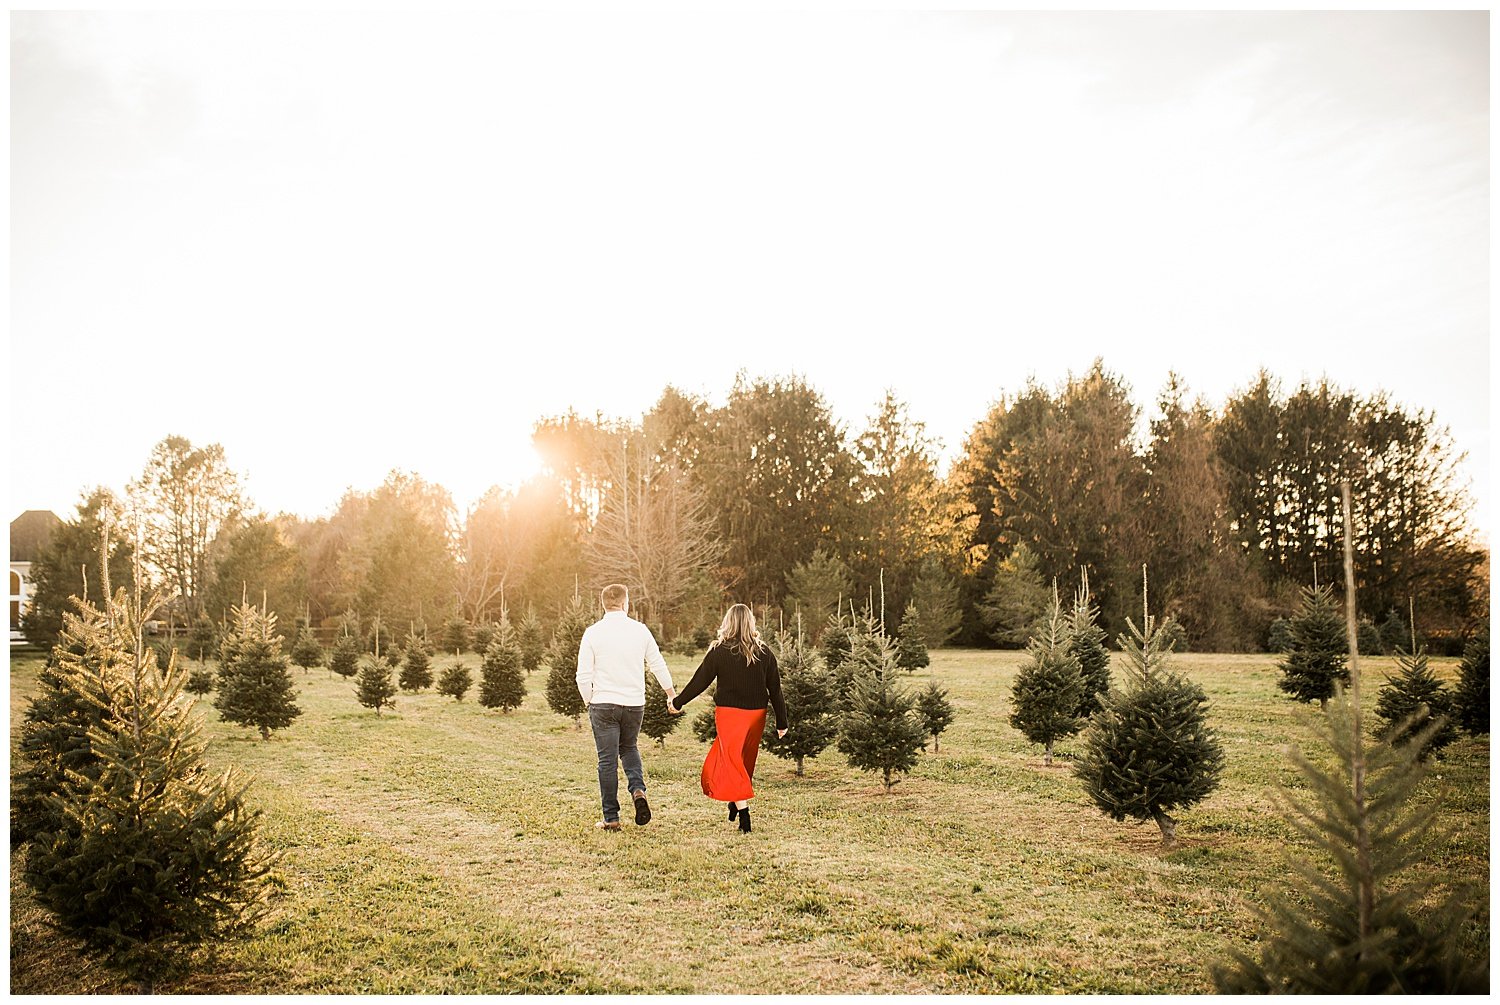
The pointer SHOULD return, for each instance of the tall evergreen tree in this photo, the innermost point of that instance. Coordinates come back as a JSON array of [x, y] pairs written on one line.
[[1086, 643], [1017, 602], [808, 693], [656, 721], [502, 685], [416, 675], [1410, 700], [1315, 661], [881, 731], [935, 711], [144, 852], [911, 647], [344, 658], [1048, 689], [374, 687], [1149, 748], [455, 681], [562, 656], [1351, 921], [818, 585], [533, 640], [1471, 701], [307, 653], [255, 688], [939, 600]]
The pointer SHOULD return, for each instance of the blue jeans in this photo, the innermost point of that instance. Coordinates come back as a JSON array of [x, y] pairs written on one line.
[[616, 728]]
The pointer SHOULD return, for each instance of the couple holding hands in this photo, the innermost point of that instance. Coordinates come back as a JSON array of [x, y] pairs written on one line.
[[610, 679]]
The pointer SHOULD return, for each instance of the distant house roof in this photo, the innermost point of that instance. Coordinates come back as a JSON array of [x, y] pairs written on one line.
[[30, 532]]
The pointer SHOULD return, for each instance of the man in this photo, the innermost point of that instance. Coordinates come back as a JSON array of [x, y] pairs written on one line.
[[612, 659]]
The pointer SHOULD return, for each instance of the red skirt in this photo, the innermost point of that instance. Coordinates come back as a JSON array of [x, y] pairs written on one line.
[[731, 757]]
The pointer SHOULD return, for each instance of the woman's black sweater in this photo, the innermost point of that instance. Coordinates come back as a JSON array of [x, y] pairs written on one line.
[[741, 684]]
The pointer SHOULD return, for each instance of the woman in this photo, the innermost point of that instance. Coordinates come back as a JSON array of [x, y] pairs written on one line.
[[746, 671]]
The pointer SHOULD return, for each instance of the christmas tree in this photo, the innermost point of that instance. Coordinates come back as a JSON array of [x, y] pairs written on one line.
[[1410, 700], [144, 852], [562, 656], [657, 722], [455, 635], [379, 638], [880, 731], [836, 643], [705, 726], [532, 640], [1048, 690], [255, 688], [455, 681], [1149, 749], [1356, 925], [911, 647], [1471, 702], [934, 711], [938, 598], [808, 692], [482, 636], [1086, 643], [1279, 638], [1017, 602], [1394, 632], [416, 675], [203, 639], [200, 681], [1315, 661], [307, 653], [344, 658], [502, 684], [374, 687]]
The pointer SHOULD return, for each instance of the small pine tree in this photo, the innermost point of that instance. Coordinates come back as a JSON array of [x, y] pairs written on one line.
[[483, 635], [502, 684], [255, 688], [1017, 602], [1368, 637], [416, 675], [1471, 702], [1048, 690], [880, 731], [1086, 643], [307, 653], [455, 681], [203, 639], [146, 852], [344, 658], [374, 687], [935, 712], [1149, 749], [379, 639], [836, 643], [656, 721], [455, 635], [1395, 633], [808, 692], [200, 681], [1354, 927], [1410, 700], [938, 598], [1279, 639], [705, 726], [532, 639], [911, 647], [1319, 648], [562, 680]]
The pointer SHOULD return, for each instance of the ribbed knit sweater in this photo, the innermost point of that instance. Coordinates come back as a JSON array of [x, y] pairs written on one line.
[[742, 684]]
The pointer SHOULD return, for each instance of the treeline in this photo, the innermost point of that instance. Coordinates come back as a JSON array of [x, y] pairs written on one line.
[[767, 499]]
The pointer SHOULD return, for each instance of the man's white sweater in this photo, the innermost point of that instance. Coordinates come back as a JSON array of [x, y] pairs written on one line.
[[612, 659]]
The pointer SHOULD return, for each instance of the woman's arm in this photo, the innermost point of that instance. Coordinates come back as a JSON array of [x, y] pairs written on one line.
[[702, 677], [773, 689]]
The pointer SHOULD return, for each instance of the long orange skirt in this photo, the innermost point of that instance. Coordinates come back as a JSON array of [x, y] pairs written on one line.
[[731, 758]]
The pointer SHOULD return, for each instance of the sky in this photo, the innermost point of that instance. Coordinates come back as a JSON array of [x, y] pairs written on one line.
[[340, 244]]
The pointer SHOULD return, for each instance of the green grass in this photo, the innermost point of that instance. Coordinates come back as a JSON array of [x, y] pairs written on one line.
[[448, 848]]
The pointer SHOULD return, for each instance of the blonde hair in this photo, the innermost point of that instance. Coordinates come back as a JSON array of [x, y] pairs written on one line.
[[614, 596], [738, 628]]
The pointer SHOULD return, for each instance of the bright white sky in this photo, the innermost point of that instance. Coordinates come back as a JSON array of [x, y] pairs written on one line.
[[344, 243]]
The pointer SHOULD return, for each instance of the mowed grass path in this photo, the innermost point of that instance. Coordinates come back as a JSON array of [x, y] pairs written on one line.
[[449, 848]]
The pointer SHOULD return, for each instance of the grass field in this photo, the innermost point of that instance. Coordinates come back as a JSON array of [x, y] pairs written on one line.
[[448, 848]]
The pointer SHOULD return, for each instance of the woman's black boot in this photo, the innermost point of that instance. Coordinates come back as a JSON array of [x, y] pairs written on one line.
[[745, 820], [733, 812]]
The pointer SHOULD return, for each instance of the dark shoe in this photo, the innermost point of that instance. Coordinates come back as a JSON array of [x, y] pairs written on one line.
[[607, 825], [734, 811], [745, 820], [642, 809]]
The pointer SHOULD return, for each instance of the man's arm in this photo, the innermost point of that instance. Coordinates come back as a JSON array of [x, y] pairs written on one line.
[[585, 676], [658, 665]]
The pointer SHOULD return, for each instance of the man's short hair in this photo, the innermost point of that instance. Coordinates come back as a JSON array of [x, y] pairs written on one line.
[[614, 595]]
